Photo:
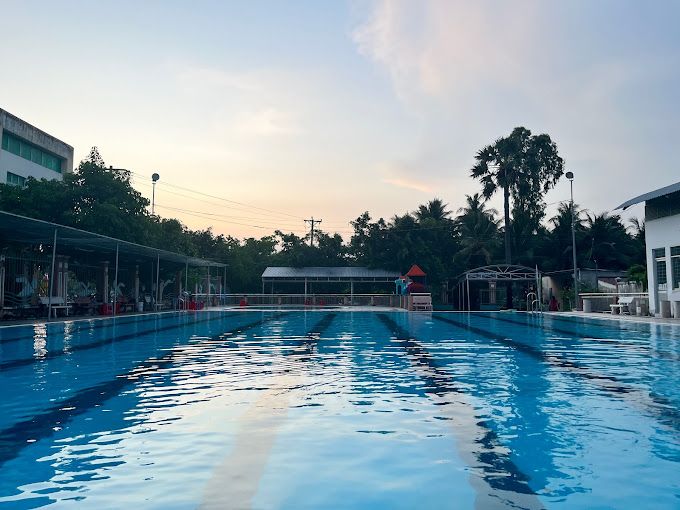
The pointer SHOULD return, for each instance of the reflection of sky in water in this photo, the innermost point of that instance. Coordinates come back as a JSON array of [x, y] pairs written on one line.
[[343, 410]]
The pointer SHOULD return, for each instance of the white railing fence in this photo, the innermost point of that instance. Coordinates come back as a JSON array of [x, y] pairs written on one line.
[[299, 300]]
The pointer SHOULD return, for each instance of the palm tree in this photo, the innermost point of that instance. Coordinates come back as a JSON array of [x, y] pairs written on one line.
[[478, 231], [435, 209], [609, 244], [523, 165], [558, 243]]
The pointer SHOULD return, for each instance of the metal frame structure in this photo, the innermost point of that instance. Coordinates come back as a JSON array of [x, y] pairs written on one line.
[[309, 275], [496, 273], [23, 231]]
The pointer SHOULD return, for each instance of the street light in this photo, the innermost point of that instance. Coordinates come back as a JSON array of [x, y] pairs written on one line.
[[154, 178], [570, 176]]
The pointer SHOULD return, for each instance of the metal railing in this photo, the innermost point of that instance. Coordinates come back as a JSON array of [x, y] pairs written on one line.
[[299, 300]]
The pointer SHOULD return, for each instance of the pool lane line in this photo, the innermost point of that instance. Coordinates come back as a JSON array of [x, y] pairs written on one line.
[[499, 483], [657, 406], [573, 334], [15, 438], [101, 324], [22, 362], [236, 480]]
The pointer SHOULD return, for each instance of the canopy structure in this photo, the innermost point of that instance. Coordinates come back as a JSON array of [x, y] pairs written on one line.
[[666, 190], [24, 230], [67, 251], [492, 274], [308, 275]]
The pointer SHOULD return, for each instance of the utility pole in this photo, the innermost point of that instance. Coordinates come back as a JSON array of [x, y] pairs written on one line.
[[312, 222]]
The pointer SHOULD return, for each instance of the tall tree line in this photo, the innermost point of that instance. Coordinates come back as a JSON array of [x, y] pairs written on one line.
[[443, 242]]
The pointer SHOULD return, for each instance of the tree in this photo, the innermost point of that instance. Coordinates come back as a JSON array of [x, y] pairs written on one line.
[[524, 166], [478, 233], [608, 243]]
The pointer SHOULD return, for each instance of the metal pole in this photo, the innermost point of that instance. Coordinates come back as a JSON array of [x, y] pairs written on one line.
[[573, 242], [115, 285], [468, 293], [208, 294], [153, 197], [186, 275], [158, 279], [54, 258]]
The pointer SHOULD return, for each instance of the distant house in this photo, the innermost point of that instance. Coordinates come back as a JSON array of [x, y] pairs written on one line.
[[662, 239]]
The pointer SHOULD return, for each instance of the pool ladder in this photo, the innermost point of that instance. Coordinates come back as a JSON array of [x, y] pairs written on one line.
[[533, 304]]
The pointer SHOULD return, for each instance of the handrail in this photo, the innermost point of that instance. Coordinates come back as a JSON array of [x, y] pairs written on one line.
[[613, 294]]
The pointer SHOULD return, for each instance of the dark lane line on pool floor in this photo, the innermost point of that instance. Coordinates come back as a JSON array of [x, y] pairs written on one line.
[[573, 334], [657, 406], [236, 480], [22, 362], [15, 438], [101, 323], [502, 480]]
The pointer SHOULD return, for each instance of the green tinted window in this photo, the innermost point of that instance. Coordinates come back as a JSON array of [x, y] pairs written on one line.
[[675, 251], [15, 180], [659, 253], [30, 152]]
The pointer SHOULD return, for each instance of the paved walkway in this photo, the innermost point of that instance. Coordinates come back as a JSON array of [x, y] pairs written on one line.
[[627, 318]]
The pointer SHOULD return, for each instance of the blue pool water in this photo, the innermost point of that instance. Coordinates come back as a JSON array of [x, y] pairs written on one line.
[[340, 409]]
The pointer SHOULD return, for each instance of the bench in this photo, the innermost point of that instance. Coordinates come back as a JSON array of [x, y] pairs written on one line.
[[57, 304], [421, 302], [624, 302]]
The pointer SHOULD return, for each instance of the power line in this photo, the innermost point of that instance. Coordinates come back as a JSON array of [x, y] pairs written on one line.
[[243, 204], [311, 231]]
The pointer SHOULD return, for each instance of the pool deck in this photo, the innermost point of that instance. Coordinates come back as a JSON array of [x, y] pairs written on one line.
[[594, 315], [623, 318]]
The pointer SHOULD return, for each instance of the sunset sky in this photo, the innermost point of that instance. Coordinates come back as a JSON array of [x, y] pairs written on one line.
[[328, 109]]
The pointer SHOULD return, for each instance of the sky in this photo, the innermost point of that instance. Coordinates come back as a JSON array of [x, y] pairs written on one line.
[[283, 111]]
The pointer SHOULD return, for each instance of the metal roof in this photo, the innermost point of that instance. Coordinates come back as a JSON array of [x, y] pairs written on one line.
[[500, 272], [667, 190], [21, 229], [329, 273]]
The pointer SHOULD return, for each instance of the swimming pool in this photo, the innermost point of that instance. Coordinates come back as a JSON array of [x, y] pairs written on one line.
[[340, 409]]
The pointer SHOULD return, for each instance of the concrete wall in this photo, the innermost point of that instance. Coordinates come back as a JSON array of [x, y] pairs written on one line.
[[661, 233], [17, 165]]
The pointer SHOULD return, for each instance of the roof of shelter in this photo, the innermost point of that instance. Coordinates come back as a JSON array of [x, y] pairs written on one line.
[[329, 273], [21, 229], [666, 190], [500, 272], [415, 271]]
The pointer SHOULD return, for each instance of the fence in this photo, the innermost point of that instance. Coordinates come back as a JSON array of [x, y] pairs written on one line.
[[301, 300]]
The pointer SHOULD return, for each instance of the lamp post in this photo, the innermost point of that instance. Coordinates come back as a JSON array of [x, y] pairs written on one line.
[[570, 176], [154, 178]]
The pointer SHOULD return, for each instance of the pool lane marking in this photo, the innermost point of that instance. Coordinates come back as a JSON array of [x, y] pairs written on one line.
[[573, 334], [22, 362], [658, 406], [101, 323], [16, 437], [497, 480], [235, 482]]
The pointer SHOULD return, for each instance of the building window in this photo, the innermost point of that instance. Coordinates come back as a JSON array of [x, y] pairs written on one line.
[[16, 180], [31, 152], [659, 255], [675, 266]]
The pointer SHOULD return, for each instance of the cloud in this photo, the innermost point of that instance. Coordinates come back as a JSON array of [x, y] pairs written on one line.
[[268, 122], [596, 77], [408, 184]]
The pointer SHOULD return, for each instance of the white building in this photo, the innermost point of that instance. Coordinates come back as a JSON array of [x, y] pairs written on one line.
[[26, 151], [662, 239]]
